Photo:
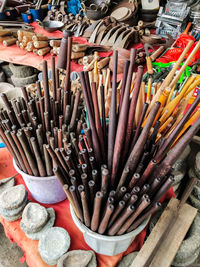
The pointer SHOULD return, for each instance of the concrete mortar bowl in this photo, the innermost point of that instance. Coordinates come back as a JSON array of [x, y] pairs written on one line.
[[107, 245]]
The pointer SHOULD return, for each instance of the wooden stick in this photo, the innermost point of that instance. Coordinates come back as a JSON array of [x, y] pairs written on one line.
[[170, 75], [112, 115], [122, 123], [46, 87], [97, 120]]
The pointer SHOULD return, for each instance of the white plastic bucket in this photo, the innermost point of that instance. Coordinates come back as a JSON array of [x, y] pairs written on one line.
[[107, 245], [47, 190]]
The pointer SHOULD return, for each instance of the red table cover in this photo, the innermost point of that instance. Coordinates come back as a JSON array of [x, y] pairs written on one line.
[[63, 219], [19, 56]]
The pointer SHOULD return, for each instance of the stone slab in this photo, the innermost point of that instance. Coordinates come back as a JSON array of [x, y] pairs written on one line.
[[72, 259], [16, 211], [49, 224], [13, 197], [6, 183], [53, 244], [127, 260], [34, 217]]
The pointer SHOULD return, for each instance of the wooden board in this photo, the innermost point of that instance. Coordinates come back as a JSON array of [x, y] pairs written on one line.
[[168, 249]]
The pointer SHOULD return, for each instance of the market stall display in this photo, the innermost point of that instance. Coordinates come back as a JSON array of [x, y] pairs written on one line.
[[98, 129]]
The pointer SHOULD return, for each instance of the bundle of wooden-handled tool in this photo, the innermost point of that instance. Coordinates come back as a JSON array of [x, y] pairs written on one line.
[[29, 123], [31, 42], [78, 50], [121, 169], [6, 37]]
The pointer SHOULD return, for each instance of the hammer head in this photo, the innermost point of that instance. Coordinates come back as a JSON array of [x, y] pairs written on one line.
[[146, 47], [169, 41]]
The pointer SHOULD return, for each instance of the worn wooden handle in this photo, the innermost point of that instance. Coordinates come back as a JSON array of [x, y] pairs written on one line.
[[149, 65], [40, 44], [187, 28], [186, 63], [101, 64], [79, 47], [43, 51], [157, 53], [4, 38], [55, 43], [77, 55], [5, 32], [87, 59], [10, 41], [39, 38], [178, 62]]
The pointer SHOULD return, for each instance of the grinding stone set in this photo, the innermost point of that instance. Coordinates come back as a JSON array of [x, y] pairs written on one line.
[[36, 220], [72, 259], [37, 223], [12, 202], [111, 196], [53, 244]]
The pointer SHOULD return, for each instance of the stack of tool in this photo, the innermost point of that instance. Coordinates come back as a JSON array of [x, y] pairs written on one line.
[[31, 122], [126, 164], [31, 42], [6, 37], [55, 46]]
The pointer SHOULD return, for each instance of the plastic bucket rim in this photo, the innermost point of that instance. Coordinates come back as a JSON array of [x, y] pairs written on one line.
[[95, 235], [30, 176]]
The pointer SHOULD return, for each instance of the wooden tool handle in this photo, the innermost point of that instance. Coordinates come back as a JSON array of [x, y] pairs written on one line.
[[43, 51], [149, 90], [77, 55], [87, 59], [10, 41], [186, 63], [178, 62], [40, 44], [149, 65], [101, 64], [39, 38], [26, 33], [187, 28], [55, 43], [157, 53], [79, 48], [4, 38], [5, 32]]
